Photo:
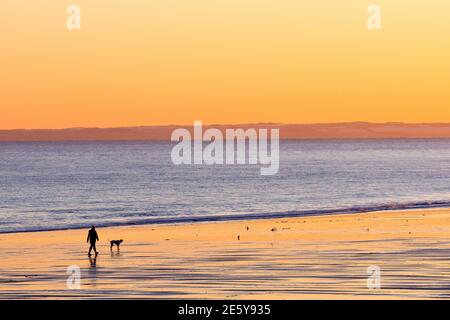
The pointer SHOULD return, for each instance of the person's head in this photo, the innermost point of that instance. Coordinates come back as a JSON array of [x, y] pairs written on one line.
[[93, 228]]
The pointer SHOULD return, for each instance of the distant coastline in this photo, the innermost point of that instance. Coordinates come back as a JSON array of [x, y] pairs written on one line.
[[347, 130]]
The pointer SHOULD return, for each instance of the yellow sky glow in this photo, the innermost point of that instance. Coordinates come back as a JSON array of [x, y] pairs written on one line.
[[155, 62]]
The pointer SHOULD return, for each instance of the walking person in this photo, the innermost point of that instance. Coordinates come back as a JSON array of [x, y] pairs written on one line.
[[92, 238]]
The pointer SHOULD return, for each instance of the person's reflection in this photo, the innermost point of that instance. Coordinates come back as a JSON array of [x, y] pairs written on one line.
[[93, 261], [92, 271]]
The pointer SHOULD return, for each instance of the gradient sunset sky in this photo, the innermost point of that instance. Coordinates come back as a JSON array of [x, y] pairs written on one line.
[[155, 62]]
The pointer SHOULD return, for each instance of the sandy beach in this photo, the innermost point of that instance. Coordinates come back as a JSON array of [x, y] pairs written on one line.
[[321, 257]]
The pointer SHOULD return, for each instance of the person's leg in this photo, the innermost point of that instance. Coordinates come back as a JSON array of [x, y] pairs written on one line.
[[95, 249], [90, 248]]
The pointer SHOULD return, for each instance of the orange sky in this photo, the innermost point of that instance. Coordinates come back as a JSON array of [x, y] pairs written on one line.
[[222, 61]]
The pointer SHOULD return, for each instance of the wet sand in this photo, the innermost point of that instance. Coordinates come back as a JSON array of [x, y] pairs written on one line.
[[322, 257]]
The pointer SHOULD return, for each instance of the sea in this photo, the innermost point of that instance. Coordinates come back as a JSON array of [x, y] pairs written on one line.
[[66, 185]]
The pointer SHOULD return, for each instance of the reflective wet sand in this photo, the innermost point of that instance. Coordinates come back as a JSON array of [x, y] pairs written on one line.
[[298, 258]]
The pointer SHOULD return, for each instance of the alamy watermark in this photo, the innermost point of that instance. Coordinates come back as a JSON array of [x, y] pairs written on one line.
[[235, 147], [374, 17], [73, 281], [373, 11], [374, 279], [74, 19]]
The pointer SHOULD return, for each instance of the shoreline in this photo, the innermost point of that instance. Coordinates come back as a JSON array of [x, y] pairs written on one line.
[[182, 220]]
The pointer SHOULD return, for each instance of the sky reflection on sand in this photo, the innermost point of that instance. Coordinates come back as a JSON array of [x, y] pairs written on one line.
[[319, 257]]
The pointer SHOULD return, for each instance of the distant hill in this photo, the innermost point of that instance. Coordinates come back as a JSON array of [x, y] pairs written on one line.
[[351, 130]]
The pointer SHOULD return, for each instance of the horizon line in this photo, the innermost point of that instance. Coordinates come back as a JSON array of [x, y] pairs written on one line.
[[335, 130], [232, 125]]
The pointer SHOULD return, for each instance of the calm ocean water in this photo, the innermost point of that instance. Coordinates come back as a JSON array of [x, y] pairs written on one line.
[[59, 185]]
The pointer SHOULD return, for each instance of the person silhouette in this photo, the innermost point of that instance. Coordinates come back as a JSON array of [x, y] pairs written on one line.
[[92, 238]]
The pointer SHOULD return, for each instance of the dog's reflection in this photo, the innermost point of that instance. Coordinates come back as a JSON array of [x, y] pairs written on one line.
[[115, 253]]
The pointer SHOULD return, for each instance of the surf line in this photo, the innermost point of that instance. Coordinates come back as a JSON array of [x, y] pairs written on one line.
[[235, 147]]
